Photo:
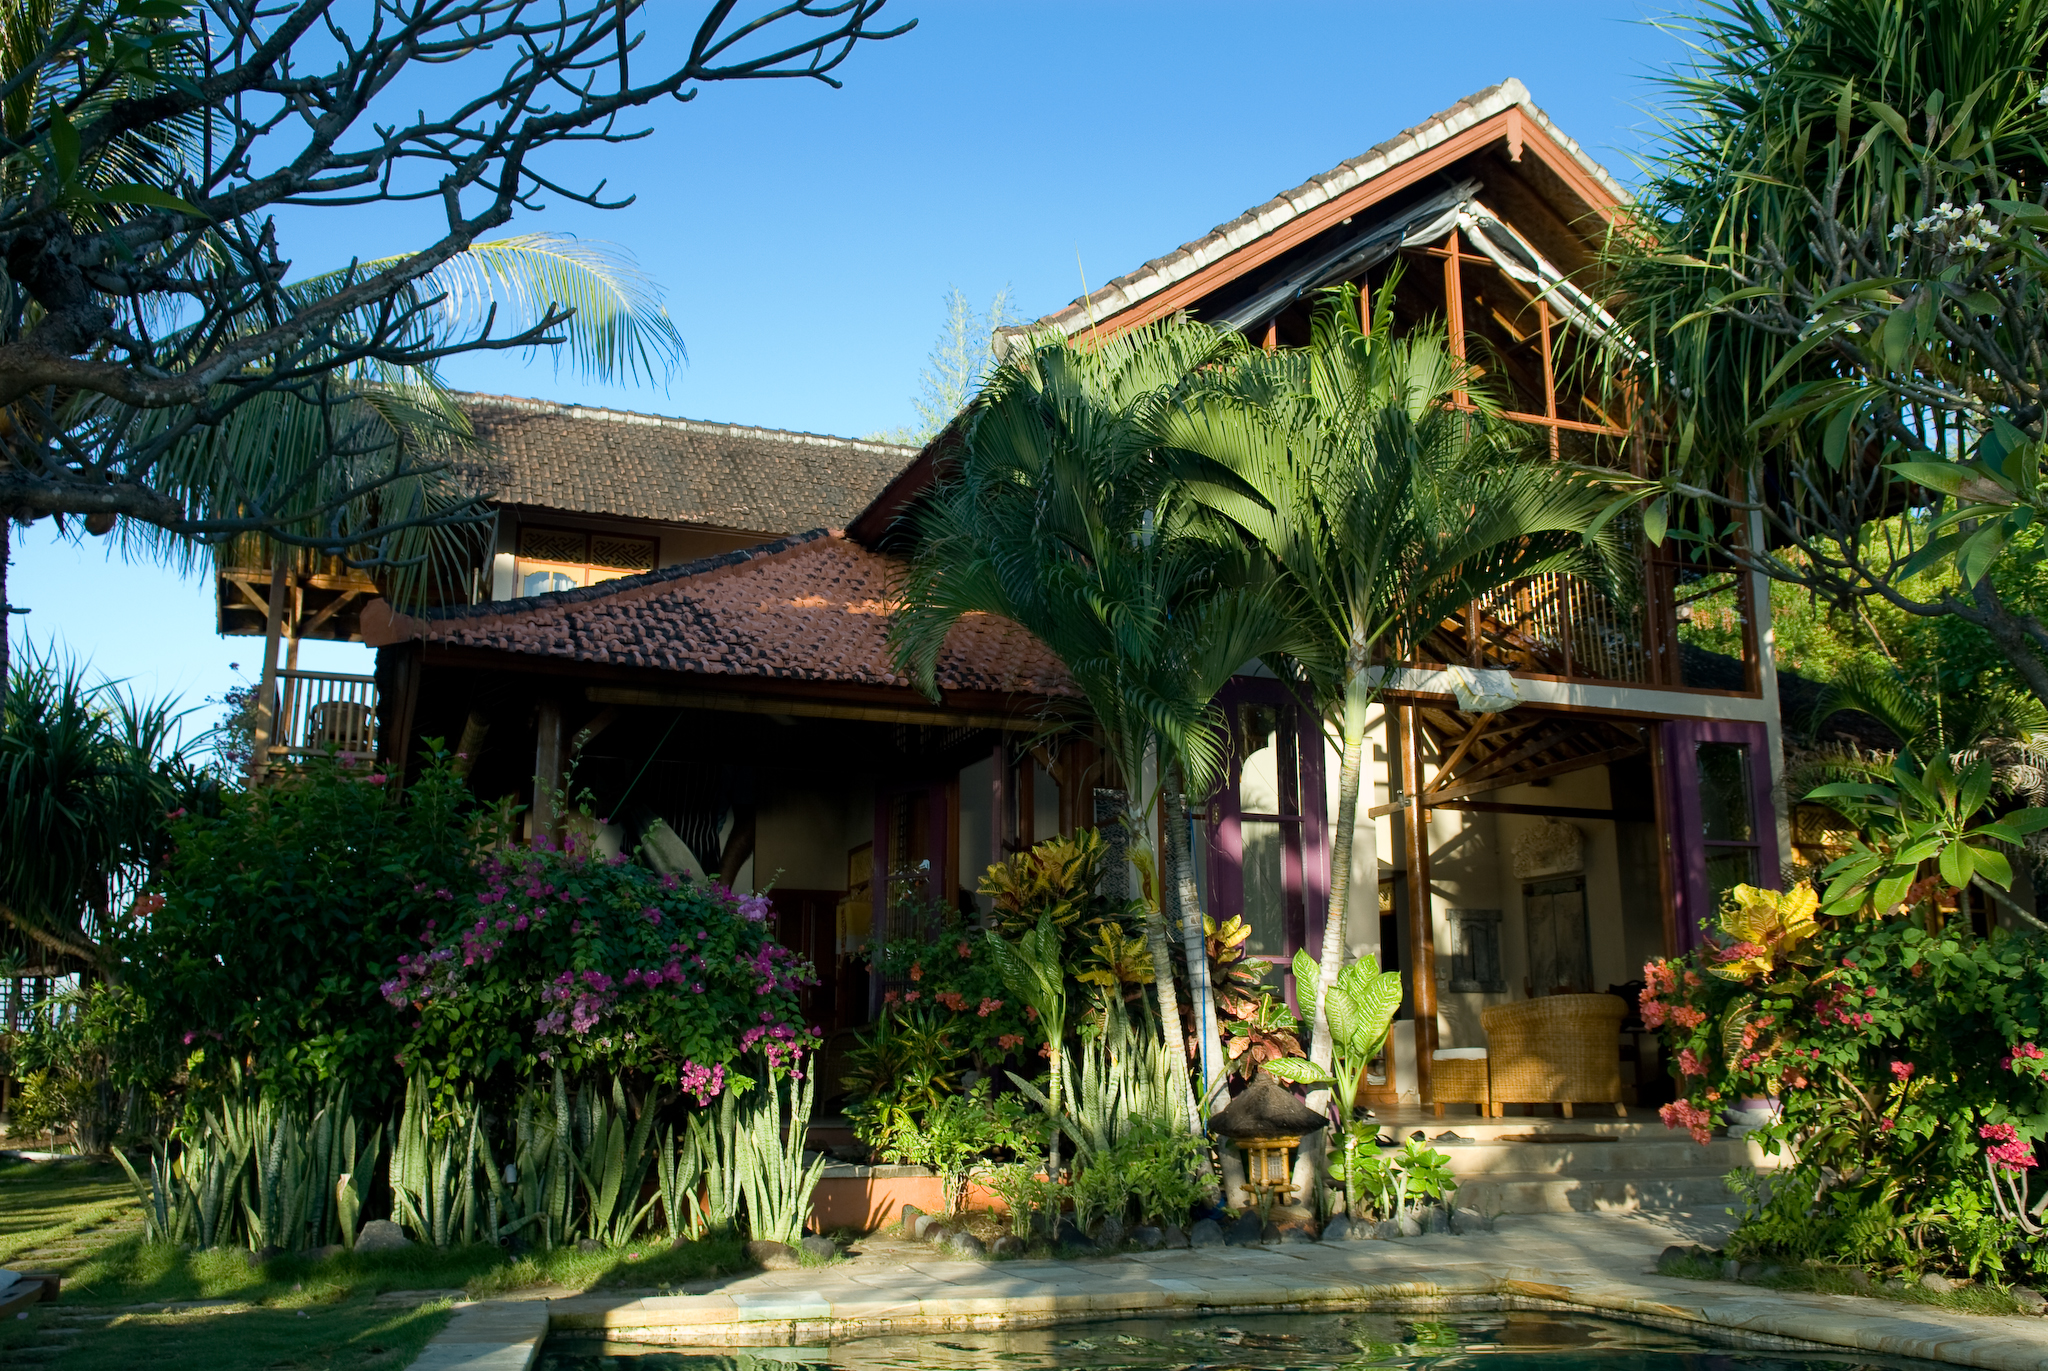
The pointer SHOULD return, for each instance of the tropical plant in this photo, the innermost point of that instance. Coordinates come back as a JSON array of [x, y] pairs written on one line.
[[614, 1161], [772, 1172], [1936, 816], [1393, 498], [1829, 280], [1123, 1083], [679, 1172], [1032, 1201], [434, 1162], [963, 1132], [1065, 511], [1032, 970], [1360, 1009], [956, 366], [1260, 1031], [900, 1070], [88, 774]]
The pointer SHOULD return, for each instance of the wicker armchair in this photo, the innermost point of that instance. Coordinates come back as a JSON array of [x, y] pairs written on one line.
[[1560, 1049]]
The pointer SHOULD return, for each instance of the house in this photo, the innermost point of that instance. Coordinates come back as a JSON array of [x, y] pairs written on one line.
[[1557, 794]]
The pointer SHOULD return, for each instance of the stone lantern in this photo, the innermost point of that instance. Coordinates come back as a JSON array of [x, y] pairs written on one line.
[[1267, 1123]]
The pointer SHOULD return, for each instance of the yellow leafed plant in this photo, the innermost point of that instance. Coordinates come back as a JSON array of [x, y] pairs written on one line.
[[1762, 926]]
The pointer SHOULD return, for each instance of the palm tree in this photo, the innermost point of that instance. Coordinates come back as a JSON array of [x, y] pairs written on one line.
[[1066, 514], [1396, 498]]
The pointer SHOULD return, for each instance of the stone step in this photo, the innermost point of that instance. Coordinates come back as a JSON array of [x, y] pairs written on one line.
[[1547, 1194], [1631, 1156]]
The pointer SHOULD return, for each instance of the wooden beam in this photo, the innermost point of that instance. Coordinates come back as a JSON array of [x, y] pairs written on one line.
[[1537, 773], [547, 770], [266, 690], [735, 703], [1478, 730], [1497, 762], [324, 615], [1541, 811], [1421, 923]]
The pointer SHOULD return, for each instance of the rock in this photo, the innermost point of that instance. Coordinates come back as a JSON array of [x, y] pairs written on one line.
[[924, 1228], [1758, 1271], [1940, 1285], [773, 1256], [321, 1254], [823, 1248], [911, 1214], [1898, 1283], [1292, 1234], [966, 1245], [1293, 1224], [1068, 1234], [1009, 1245], [1171, 1236], [1438, 1219], [590, 1245], [1418, 1136], [1109, 1234], [1389, 1228], [1411, 1227], [1731, 1270], [1337, 1229], [1858, 1277], [1468, 1220], [1672, 1259], [1247, 1231], [1206, 1233], [2029, 1300], [1269, 1231], [1146, 1238], [381, 1235]]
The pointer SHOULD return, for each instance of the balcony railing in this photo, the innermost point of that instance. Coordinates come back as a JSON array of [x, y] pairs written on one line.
[[319, 712], [1549, 625]]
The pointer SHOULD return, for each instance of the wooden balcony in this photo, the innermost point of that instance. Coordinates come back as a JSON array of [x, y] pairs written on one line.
[[319, 712]]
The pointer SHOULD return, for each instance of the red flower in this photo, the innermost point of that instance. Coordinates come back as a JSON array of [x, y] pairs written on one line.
[[1903, 1071]]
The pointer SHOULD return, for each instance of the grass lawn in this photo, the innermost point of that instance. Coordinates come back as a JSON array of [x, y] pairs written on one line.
[[1836, 1280], [286, 1313]]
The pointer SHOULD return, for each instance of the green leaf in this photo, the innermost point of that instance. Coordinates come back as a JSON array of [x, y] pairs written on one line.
[[1299, 1070], [1956, 865], [1946, 477], [63, 143], [1308, 983], [1891, 891], [1993, 866], [1656, 520]]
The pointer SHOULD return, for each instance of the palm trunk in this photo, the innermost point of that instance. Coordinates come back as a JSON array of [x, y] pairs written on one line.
[[1310, 1163], [1194, 943], [6, 614], [1162, 964]]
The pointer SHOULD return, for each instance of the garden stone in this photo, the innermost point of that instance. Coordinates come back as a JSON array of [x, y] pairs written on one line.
[[1411, 1227], [1672, 1258], [925, 1228], [1069, 1234], [773, 1256], [1468, 1220], [911, 1214], [1109, 1234], [1206, 1233], [1248, 1231], [1940, 1285], [1293, 1224], [1439, 1219], [1337, 1229], [2029, 1300], [589, 1245], [1758, 1271], [824, 1249], [1858, 1277], [967, 1245], [1146, 1238], [1731, 1269], [1171, 1236], [1898, 1283], [381, 1235], [1009, 1245], [1390, 1228]]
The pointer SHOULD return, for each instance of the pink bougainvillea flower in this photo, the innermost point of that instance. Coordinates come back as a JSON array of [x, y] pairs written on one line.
[[1903, 1071]]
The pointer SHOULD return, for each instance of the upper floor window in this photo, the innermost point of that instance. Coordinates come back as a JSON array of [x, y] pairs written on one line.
[[552, 559]]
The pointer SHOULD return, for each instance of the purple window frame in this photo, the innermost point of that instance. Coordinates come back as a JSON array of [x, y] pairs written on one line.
[[1305, 856], [1691, 902]]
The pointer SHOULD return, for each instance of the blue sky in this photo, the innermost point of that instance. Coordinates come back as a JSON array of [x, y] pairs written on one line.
[[805, 237]]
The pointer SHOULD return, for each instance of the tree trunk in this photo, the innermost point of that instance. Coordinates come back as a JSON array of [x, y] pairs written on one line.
[[1162, 965], [6, 614], [1194, 942]]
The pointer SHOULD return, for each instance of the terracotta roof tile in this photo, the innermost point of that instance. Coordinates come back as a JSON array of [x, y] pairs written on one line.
[[815, 607], [644, 466]]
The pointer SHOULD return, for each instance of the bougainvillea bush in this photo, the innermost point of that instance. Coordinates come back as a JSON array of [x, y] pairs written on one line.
[[1902, 1059], [567, 958]]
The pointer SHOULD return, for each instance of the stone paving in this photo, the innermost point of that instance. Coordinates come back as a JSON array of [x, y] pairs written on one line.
[[1602, 1263]]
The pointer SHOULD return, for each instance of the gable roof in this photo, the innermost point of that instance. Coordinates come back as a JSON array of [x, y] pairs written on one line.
[[581, 460], [811, 608], [1292, 213]]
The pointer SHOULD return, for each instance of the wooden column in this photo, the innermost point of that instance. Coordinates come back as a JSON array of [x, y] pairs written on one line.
[[266, 689], [1454, 308], [547, 771], [1421, 924], [1549, 375]]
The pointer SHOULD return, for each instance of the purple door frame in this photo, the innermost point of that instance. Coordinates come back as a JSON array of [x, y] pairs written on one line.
[[1305, 861], [1692, 903]]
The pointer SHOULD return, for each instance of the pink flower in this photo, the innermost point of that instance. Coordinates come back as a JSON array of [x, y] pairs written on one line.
[[1998, 1133], [1687, 1115], [1690, 1064], [1903, 1071], [1685, 1016]]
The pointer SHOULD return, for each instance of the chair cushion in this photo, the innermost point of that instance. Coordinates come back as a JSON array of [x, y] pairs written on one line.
[[1459, 1054]]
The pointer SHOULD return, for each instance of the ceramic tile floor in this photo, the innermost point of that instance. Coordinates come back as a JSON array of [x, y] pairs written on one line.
[[1600, 1262]]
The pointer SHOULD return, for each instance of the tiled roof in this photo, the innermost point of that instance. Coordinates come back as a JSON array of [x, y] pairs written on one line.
[[814, 607], [1162, 272], [644, 466]]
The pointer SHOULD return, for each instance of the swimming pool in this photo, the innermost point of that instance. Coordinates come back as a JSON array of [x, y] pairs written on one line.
[[1507, 1341]]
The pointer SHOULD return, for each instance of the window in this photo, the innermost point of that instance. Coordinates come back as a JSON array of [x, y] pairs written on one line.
[[1267, 805], [1475, 951], [552, 559], [1728, 818], [1268, 858]]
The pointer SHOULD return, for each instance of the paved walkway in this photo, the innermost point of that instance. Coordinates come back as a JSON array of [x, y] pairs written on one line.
[[1603, 1263]]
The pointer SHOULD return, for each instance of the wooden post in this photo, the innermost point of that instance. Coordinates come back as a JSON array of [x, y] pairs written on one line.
[[1421, 924], [266, 689], [547, 771], [1272, 343], [1454, 312], [288, 700], [1549, 375]]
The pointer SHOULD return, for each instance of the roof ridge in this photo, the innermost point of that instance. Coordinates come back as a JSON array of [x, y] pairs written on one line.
[[1117, 295], [570, 410], [604, 590]]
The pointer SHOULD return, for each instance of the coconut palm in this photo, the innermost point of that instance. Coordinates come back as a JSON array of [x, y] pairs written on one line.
[[1395, 498], [1066, 513]]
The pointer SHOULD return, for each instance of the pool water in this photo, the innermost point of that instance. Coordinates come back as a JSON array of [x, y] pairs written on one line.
[[1513, 1341]]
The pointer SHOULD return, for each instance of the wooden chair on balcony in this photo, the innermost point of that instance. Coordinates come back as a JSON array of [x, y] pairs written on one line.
[[343, 725], [1559, 1049]]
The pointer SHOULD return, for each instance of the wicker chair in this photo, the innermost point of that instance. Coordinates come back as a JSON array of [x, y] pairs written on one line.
[[1560, 1049]]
